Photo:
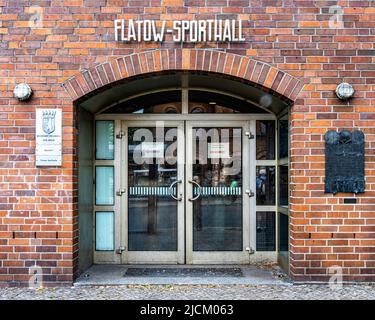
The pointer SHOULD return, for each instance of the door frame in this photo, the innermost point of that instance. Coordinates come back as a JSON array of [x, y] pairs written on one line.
[[152, 257], [248, 203], [116, 258]]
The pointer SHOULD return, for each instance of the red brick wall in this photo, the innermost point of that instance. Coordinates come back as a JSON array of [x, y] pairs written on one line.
[[38, 207]]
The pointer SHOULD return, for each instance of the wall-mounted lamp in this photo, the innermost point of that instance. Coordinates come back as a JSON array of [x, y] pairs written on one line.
[[344, 91], [22, 92]]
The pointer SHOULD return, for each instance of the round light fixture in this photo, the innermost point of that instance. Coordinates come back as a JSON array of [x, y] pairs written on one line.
[[22, 92], [265, 100], [344, 91]]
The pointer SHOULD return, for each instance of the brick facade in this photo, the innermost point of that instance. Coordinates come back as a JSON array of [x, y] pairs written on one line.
[[292, 49]]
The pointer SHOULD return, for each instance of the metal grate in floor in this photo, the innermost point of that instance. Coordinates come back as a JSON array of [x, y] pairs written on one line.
[[183, 272]]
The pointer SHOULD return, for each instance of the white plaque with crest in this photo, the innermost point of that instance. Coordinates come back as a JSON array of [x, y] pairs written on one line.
[[48, 137]]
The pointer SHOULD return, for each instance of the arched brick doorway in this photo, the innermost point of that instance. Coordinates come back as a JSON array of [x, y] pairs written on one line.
[[95, 89], [243, 68]]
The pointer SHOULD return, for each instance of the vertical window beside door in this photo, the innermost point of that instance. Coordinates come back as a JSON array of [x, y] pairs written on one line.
[[104, 140], [265, 185], [104, 231], [104, 186]]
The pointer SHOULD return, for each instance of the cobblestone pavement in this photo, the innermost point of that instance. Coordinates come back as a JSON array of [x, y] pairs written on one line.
[[192, 292]]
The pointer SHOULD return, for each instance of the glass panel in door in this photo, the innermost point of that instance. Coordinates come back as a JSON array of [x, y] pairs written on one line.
[[154, 193], [217, 173], [215, 190]]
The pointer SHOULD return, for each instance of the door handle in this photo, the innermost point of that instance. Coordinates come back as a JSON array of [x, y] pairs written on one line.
[[120, 192], [250, 193], [199, 188], [171, 191]]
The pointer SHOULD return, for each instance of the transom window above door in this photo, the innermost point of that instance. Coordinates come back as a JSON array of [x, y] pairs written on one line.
[[185, 101], [153, 103]]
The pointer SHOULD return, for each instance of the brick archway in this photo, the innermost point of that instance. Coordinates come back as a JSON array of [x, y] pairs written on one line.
[[88, 83], [258, 73]]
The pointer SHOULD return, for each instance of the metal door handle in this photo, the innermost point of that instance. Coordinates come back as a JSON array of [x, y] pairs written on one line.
[[199, 188], [250, 193], [171, 191], [120, 192]]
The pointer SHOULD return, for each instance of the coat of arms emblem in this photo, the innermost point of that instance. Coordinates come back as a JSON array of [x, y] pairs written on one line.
[[49, 121]]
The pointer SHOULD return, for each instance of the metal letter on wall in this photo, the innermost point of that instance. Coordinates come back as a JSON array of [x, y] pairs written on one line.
[[48, 137], [345, 162]]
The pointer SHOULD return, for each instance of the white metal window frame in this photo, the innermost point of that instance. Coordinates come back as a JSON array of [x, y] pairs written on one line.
[[144, 257], [108, 256], [113, 257], [284, 258]]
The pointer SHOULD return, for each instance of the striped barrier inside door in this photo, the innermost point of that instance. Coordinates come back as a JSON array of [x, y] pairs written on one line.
[[151, 191], [165, 191], [218, 191]]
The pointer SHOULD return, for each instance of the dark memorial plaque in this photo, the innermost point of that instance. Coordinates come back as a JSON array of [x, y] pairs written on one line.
[[345, 162]]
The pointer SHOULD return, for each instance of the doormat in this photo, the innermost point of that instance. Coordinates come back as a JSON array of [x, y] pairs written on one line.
[[183, 272]]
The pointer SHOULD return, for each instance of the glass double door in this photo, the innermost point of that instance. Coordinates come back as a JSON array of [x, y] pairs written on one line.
[[188, 197]]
